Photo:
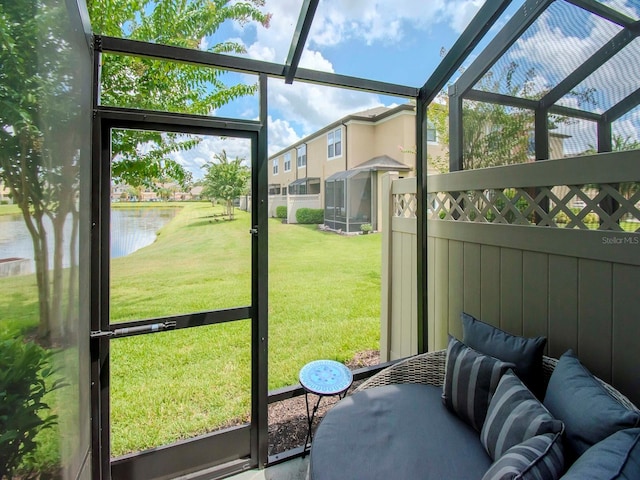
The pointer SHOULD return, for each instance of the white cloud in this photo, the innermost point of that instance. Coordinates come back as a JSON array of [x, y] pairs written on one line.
[[630, 8], [556, 52], [370, 21], [460, 13], [315, 106], [627, 129], [194, 159], [556, 49], [364, 21], [281, 135]]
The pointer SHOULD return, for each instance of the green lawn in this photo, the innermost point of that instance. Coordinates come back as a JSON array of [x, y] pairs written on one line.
[[324, 302], [9, 210]]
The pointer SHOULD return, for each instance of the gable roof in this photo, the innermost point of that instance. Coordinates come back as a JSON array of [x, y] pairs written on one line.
[[383, 162]]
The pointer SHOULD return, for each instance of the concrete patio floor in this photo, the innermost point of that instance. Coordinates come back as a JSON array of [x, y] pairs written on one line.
[[295, 469]]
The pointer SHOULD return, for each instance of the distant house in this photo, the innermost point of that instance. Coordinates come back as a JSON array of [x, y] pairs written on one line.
[[344, 162], [5, 196]]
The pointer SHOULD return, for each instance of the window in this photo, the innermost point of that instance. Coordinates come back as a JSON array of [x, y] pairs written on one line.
[[302, 156], [275, 166], [334, 143], [275, 189], [287, 162], [431, 133]]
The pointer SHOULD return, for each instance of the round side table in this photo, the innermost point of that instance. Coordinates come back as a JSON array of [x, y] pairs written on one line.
[[323, 378]]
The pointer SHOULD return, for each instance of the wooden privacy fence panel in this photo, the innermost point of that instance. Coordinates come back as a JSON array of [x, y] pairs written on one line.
[[579, 286], [398, 313]]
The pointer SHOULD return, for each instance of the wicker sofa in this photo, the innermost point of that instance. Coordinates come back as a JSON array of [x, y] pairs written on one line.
[[365, 435]]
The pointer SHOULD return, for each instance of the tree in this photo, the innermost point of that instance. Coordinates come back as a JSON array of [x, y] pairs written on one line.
[[41, 116], [619, 143], [141, 157], [39, 138], [226, 180], [495, 134]]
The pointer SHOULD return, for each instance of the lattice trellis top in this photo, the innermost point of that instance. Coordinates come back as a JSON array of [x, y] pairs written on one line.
[[405, 205], [612, 207]]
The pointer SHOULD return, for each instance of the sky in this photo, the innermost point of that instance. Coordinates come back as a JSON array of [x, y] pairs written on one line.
[[399, 41]]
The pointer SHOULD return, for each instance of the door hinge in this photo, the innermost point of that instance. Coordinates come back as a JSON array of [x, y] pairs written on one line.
[[254, 231]]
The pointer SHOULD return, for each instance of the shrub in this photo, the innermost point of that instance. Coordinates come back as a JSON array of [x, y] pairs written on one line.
[[281, 211], [310, 215], [25, 368], [591, 218], [366, 227], [561, 218], [521, 204]]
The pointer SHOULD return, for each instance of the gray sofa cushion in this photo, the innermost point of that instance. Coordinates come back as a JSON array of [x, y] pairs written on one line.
[[525, 353], [514, 416], [617, 457], [536, 458], [589, 412], [396, 432], [469, 382]]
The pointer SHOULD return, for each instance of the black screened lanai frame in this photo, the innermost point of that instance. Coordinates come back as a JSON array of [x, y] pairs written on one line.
[[548, 103], [424, 95]]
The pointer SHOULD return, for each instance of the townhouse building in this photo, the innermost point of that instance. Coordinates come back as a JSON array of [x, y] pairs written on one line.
[[343, 164]]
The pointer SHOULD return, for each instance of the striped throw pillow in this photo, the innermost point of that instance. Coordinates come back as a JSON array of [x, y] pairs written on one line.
[[514, 415], [538, 458], [470, 380]]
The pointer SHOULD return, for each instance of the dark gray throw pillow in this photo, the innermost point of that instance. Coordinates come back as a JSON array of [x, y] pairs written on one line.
[[469, 382], [525, 353], [535, 458], [615, 457], [514, 416], [590, 413]]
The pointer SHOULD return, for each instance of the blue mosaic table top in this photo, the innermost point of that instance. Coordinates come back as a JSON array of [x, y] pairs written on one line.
[[325, 377]]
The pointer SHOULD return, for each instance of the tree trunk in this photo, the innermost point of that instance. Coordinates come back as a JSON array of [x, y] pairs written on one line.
[[230, 208], [35, 226], [71, 312]]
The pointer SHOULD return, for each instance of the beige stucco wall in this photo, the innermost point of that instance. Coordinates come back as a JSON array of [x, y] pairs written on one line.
[[556, 146], [360, 143], [367, 140], [396, 134], [283, 178]]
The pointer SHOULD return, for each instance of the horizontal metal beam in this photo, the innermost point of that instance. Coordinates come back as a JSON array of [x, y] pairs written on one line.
[[604, 11], [486, 17], [177, 122], [186, 55], [595, 61], [355, 83], [515, 27], [225, 447], [623, 107], [299, 40], [247, 65], [575, 113], [500, 99]]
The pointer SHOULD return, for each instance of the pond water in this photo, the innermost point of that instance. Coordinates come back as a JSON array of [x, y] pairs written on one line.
[[131, 230]]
